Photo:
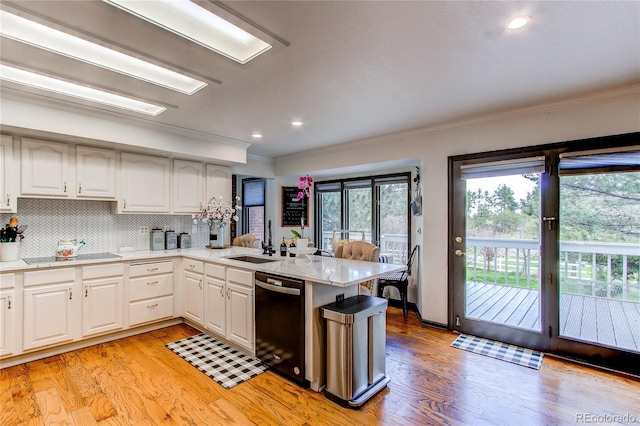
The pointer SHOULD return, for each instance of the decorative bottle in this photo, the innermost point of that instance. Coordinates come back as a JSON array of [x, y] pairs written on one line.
[[283, 248], [292, 245]]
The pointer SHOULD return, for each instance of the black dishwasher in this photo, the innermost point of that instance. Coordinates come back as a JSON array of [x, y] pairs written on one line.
[[280, 325]]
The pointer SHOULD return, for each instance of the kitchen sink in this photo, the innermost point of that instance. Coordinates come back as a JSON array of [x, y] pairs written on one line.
[[253, 259]]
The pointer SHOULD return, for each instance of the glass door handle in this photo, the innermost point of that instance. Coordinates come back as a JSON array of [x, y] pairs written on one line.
[[459, 253]]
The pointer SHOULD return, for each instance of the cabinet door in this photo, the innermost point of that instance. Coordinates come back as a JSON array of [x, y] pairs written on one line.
[[193, 297], [7, 191], [102, 305], [215, 313], [240, 315], [145, 183], [48, 315], [7, 323], [95, 172], [218, 182], [44, 168], [188, 183]]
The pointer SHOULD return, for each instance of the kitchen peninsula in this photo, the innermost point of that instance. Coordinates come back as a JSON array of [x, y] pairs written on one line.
[[324, 277]]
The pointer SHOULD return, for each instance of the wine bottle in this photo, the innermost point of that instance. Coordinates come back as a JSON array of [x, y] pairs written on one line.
[[283, 248]]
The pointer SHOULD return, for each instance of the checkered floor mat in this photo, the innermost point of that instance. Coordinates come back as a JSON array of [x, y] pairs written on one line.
[[225, 365], [511, 353]]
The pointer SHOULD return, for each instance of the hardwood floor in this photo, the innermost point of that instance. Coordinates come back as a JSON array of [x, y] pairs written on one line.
[[138, 381]]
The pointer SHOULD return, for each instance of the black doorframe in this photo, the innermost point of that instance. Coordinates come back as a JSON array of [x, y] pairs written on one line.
[[617, 360]]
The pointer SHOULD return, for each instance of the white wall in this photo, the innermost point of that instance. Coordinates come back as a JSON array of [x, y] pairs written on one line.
[[598, 115]]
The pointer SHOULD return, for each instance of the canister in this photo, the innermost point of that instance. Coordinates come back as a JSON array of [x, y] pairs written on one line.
[[170, 240], [184, 240], [157, 239]]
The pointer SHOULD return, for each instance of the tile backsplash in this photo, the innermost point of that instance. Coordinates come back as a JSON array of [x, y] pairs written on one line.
[[49, 221]]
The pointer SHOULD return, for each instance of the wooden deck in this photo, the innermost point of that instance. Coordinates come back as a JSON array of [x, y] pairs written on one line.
[[593, 319]]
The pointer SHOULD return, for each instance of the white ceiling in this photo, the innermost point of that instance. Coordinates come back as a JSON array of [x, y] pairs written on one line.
[[356, 69]]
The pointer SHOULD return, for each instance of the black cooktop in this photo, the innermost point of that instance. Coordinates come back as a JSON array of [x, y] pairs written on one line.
[[53, 259]]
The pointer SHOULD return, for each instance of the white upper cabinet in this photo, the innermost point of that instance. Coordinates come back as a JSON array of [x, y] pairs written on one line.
[[145, 184], [218, 182], [95, 173], [44, 168], [7, 190], [188, 186]]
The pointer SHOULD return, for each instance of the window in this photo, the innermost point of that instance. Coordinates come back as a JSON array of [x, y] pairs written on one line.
[[253, 207], [377, 206]]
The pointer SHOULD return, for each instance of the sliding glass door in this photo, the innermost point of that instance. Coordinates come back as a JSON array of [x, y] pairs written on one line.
[[545, 250], [497, 249], [599, 287]]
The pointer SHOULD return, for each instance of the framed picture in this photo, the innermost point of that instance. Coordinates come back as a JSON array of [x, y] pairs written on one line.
[[294, 211]]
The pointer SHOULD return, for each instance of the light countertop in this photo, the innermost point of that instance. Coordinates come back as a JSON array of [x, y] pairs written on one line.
[[320, 269]]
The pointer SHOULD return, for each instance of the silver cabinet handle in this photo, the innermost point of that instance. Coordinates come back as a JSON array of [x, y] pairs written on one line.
[[79, 187], [65, 186], [70, 294], [124, 204], [86, 291], [155, 305], [8, 302], [228, 293], [8, 199], [200, 284], [152, 282], [221, 292], [152, 269]]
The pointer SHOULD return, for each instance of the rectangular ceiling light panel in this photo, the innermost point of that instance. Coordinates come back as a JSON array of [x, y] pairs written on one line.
[[50, 84], [41, 36], [199, 25]]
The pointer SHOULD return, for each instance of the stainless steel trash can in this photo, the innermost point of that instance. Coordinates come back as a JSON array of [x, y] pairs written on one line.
[[355, 358]]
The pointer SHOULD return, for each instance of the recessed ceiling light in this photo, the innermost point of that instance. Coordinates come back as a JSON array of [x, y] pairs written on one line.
[[50, 84], [256, 135], [296, 123], [518, 22], [195, 23], [41, 36]]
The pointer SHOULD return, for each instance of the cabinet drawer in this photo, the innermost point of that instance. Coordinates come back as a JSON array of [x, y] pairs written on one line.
[[151, 286], [240, 277], [105, 270], [215, 271], [149, 268], [50, 276], [191, 265], [150, 310], [7, 280]]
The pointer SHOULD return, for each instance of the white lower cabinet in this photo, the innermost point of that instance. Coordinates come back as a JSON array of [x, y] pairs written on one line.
[[240, 315], [215, 298], [50, 308], [150, 291], [103, 300], [54, 306], [9, 337], [193, 290], [229, 304], [7, 322]]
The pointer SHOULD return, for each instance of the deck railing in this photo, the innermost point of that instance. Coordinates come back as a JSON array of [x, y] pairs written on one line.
[[609, 270], [394, 246]]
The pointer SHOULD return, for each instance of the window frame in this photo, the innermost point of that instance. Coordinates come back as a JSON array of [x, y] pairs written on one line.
[[343, 185]]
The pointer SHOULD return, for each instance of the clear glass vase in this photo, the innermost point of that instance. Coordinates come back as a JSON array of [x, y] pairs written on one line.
[[216, 233]]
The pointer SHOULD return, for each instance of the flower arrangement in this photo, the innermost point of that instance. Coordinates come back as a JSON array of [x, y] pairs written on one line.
[[218, 210], [304, 185]]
